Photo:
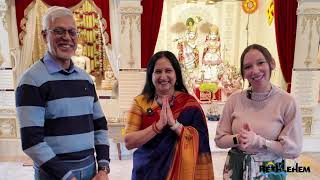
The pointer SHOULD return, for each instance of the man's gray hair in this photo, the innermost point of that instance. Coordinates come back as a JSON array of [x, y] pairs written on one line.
[[53, 13]]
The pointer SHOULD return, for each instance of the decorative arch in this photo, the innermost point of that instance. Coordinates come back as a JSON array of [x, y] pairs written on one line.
[[96, 46], [24, 6]]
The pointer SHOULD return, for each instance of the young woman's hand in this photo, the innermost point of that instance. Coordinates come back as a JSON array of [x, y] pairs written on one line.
[[249, 139]]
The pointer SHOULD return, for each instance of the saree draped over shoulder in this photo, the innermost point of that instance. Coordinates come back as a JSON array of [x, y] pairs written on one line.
[[168, 156]]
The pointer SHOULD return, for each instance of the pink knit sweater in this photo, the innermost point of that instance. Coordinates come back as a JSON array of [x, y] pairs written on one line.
[[276, 118]]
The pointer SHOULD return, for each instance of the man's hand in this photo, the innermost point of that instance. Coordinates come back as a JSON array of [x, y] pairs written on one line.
[[101, 176], [74, 178]]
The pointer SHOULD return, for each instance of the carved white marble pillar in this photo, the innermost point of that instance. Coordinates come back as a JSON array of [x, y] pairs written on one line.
[[3, 10], [308, 35], [3, 27], [130, 37], [9, 130], [306, 73]]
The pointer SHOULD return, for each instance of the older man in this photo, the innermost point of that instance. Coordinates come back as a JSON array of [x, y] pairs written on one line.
[[61, 120]]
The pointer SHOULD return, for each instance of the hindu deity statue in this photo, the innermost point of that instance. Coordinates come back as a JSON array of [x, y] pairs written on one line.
[[82, 61], [230, 79], [109, 78], [187, 46], [211, 54]]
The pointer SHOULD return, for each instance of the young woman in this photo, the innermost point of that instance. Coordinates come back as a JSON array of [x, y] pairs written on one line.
[[261, 125]]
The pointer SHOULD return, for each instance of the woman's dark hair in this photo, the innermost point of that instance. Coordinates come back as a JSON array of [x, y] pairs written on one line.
[[149, 90], [260, 48]]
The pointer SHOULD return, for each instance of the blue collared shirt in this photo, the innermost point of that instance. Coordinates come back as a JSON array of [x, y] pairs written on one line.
[[54, 67]]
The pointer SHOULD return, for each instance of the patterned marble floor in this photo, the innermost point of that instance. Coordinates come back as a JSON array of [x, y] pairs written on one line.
[[121, 169]]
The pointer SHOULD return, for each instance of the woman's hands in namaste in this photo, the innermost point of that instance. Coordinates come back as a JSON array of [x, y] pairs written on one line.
[[166, 116]]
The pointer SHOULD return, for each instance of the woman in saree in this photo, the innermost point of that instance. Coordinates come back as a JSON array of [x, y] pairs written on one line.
[[168, 127]]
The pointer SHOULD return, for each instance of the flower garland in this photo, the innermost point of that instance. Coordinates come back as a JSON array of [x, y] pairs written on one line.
[[87, 21]]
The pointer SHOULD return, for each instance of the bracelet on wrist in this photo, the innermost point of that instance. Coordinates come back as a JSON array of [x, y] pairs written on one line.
[[175, 126], [266, 144], [155, 128]]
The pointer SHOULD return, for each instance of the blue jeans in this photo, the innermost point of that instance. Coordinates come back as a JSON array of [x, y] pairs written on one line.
[[85, 173]]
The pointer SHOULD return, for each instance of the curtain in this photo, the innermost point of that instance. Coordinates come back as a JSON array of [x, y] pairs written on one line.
[[104, 6], [285, 27], [65, 3], [26, 58], [26, 21], [39, 45], [21, 12], [114, 51], [14, 40], [150, 25], [22, 9]]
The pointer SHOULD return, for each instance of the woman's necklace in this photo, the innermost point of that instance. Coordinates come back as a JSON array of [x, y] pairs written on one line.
[[255, 96], [159, 102]]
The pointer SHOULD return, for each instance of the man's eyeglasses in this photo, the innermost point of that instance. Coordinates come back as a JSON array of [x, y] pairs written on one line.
[[62, 32]]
